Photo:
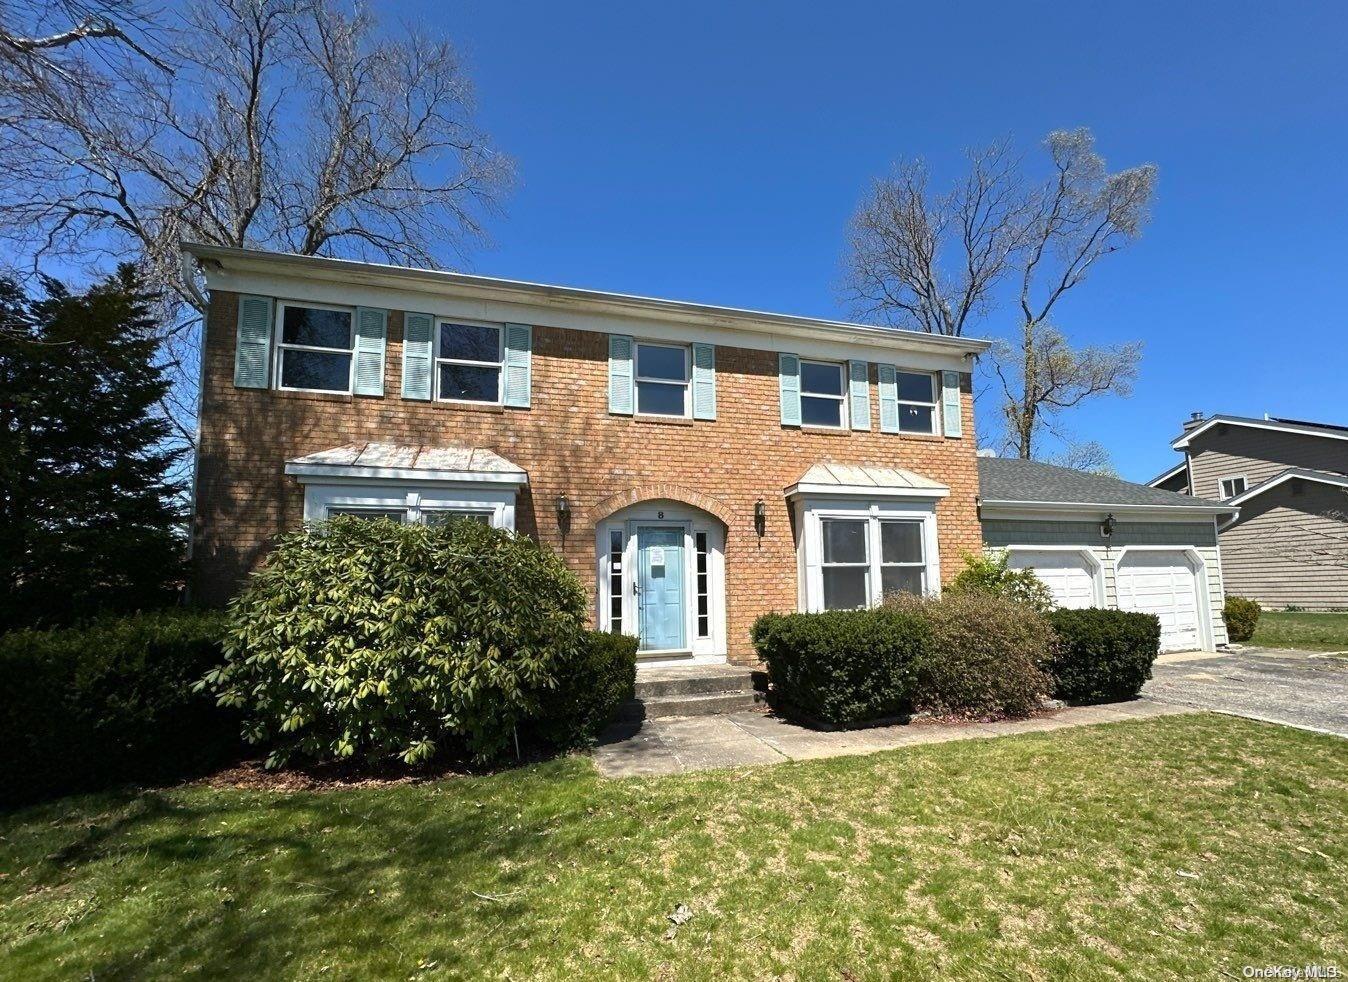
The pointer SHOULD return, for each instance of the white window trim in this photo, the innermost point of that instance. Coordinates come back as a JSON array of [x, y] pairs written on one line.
[[637, 378], [438, 359], [843, 414], [1221, 481], [810, 512], [279, 347], [934, 406], [415, 502]]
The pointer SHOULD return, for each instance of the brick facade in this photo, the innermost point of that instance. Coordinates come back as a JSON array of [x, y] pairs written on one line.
[[569, 445]]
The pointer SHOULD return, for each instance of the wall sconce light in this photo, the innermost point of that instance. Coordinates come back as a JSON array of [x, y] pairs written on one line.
[[760, 518], [1107, 526], [563, 514]]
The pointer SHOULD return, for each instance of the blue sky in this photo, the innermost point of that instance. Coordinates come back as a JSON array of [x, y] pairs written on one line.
[[714, 152]]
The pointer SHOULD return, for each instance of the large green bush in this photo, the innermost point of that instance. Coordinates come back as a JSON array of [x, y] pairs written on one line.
[[1241, 616], [989, 574], [984, 656], [376, 641], [591, 684], [1102, 655], [842, 667], [94, 706]]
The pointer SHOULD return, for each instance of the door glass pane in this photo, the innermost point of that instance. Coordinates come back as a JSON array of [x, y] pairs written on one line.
[[901, 542], [316, 328], [655, 361], [470, 382], [915, 419], [900, 579], [845, 587], [844, 540], [470, 342], [315, 370], [821, 379], [916, 388], [820, 412], [660, 399]]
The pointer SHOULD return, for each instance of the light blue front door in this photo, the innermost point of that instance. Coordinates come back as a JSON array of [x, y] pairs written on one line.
[[660, 612]]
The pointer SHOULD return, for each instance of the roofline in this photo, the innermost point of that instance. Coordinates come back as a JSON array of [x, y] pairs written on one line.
[[1100, 506], [1319, 477], [1167, 475], [520, 291], [1182, 441]]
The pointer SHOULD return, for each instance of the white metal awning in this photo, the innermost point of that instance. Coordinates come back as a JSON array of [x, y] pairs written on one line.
[[403, 462], [827, 477]]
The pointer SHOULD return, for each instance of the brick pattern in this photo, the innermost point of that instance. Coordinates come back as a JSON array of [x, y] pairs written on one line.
[[569, 445]]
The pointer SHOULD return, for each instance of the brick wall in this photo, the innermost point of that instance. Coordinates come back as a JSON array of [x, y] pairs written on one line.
[[568, 444]]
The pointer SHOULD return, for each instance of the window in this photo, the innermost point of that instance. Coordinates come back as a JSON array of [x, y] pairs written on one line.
[[903, 568], [846, 566], [821, 394], [662, 380], [468, 363], [917, 402], [1232, 486], [314, 349], [703, 586], [615, 581], [443, 516], [396, 514]]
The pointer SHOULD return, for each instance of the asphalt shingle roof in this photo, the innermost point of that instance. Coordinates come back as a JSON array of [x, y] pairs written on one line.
[[1013, 479]]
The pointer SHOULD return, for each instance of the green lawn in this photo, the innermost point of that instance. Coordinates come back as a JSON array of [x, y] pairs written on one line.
[[1049, 856], [1310, 632]]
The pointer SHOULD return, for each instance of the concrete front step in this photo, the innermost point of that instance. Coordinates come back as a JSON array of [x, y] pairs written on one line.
[[699, 704], [691, 680]]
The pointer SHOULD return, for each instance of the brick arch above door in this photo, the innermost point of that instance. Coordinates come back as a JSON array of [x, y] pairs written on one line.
[[658, 491]]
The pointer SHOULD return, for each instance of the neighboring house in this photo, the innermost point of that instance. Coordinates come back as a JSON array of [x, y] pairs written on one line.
[[697, 466], [1289, 544], [1102, 542]]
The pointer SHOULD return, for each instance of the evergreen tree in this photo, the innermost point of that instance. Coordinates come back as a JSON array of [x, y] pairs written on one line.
[[90, 518]]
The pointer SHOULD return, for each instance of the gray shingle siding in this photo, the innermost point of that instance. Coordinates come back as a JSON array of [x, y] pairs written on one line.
[[999, 533], [1231, 451]]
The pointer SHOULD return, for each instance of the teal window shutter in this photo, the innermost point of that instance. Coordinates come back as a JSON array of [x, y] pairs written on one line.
[[371, 333], [704, 381], [620, 376], [889, 399], [418, 344], [859, 394], [252, 348], [788, 382], [519, 347], [950, 404]]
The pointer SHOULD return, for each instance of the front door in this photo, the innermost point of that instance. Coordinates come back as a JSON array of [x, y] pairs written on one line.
[[660, 602]]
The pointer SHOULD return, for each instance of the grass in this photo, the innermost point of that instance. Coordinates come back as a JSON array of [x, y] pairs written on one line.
[[1182, 846], [1307, 631]]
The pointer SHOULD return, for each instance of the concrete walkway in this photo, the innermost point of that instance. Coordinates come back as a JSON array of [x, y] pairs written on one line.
[[693, 743]]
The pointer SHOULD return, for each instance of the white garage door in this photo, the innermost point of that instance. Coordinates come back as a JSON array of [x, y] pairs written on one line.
[[1066, 575], [1163, 584]]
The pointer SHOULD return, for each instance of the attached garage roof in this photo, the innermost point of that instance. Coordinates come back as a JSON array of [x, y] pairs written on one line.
[[1012, 481], [827, 477], [407, 462]]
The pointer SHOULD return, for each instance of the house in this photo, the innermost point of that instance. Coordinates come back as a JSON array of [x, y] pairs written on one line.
[[696, 466], [1098, 541], [1289, 543]]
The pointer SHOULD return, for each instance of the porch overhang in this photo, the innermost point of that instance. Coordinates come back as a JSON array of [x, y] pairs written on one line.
[[362, 462], [853, 480]]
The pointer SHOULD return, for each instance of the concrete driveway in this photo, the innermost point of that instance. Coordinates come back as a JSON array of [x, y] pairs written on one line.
[[1297, 688]]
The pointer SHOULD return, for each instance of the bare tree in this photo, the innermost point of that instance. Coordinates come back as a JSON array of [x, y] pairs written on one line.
[[1088, 456], [939, 263], [288, 124]]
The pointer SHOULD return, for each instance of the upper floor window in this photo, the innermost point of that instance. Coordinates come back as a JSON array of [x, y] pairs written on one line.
[[1232, 486], [468, 359], [821, 394], [314, 348], [662, 373], [917, 402]]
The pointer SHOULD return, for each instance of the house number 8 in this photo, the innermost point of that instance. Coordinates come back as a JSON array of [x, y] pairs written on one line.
[[659, 514]]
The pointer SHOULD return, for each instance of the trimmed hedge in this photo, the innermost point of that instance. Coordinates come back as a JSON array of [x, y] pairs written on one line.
[[1241, 616], [591, 685], [95, 706], [1102, 655], [843, 667]]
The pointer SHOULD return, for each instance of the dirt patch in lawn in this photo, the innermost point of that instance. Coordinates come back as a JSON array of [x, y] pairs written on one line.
[[253, 776]]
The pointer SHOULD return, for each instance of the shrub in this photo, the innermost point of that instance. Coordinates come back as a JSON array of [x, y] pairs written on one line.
[[1102, 655], [591, 684], [842, 667], [984, 657], [89, 707], [989, 575], [374, 640], [1241, 616]]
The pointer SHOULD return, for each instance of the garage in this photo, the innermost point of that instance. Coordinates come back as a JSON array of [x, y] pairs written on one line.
[[1068, 574], [1165, 584]]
